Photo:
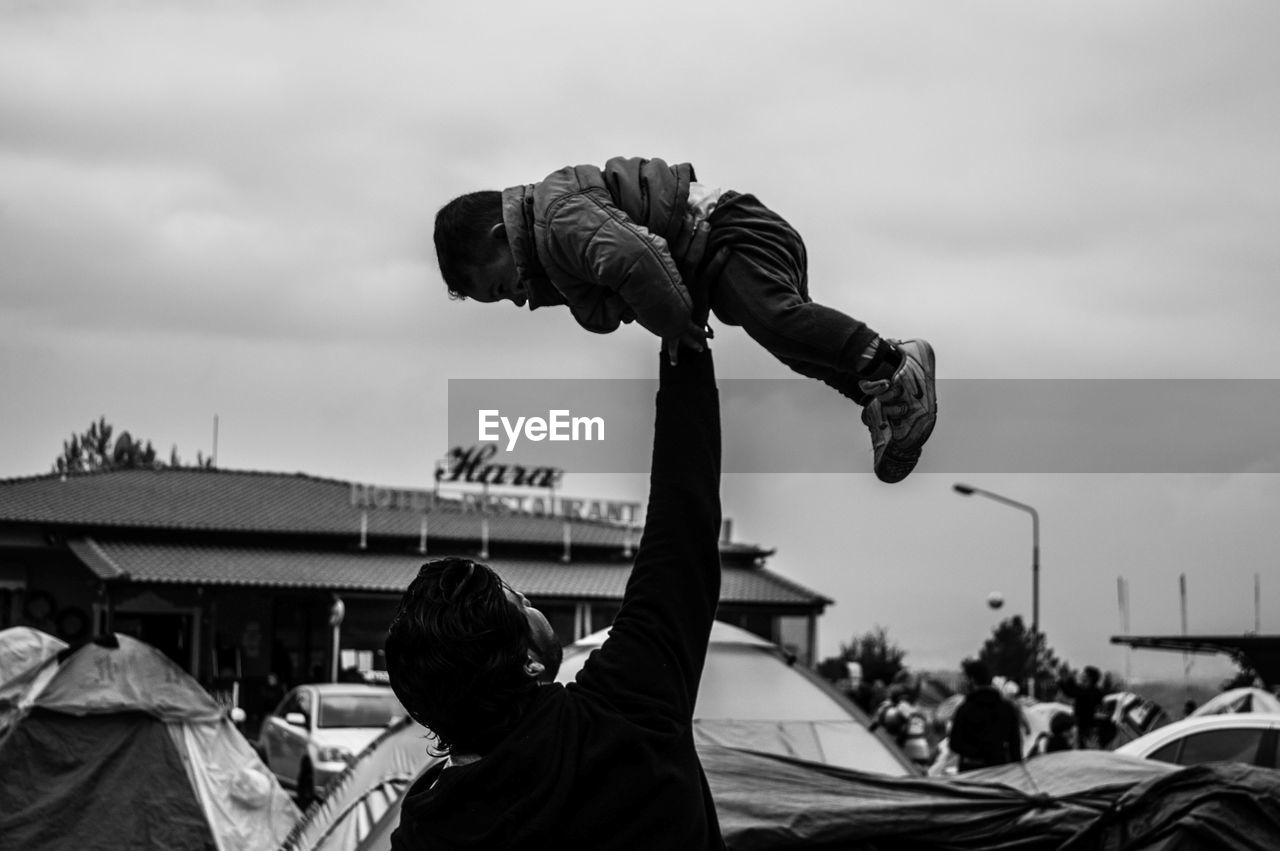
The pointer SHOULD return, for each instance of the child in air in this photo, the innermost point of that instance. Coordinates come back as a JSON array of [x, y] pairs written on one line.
[[643, 241]]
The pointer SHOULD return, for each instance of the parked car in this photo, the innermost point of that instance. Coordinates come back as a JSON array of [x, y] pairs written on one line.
[[318, 729], [1252, 738]]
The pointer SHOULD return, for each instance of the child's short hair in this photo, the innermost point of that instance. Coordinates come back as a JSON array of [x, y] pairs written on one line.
[[462, 236]]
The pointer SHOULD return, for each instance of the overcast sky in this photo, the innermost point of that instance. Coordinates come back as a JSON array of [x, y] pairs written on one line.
[[225, 209]]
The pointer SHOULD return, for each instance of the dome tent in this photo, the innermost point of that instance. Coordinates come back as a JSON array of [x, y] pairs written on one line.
[[121, 749], [372, 785], [24, 652], [753, 696], [1247, 699]]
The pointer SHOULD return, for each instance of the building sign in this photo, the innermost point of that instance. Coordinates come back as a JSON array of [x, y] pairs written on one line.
[[472, 467]]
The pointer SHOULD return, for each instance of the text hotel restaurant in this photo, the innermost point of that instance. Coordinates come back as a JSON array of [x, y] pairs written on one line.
[[236, 574]]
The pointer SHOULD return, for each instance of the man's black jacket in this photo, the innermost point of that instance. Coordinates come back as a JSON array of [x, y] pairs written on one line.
[[608, 762]]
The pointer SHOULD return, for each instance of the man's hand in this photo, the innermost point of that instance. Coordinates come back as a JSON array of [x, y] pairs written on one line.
[[693, 336]]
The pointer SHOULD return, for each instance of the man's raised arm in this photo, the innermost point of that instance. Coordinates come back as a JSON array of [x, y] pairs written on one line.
[[653, 658]]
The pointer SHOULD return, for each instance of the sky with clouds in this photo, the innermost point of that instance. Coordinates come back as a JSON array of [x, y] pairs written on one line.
[[225, 209]]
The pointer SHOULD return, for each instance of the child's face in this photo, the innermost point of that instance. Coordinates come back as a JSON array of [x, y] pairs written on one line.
[[497, 281]]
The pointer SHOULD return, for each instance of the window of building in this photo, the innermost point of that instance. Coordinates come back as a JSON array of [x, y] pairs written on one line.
[[793, 636]]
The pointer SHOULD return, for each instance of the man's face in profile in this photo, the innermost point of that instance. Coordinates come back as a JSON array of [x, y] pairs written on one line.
[[545, 643]]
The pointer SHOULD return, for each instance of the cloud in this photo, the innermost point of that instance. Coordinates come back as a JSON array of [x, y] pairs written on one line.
[[225, 208]]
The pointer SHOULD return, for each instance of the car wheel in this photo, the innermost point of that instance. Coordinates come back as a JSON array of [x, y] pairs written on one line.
[[306, 787]]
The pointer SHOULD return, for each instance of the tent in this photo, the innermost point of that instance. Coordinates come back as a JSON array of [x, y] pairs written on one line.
[[122, 749], [1068, 801], [1225, 805], [359, 797], [1240, 700], [752, 696], [23, 672]]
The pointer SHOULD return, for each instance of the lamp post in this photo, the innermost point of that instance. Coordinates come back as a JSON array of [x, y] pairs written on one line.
[[970, 490]]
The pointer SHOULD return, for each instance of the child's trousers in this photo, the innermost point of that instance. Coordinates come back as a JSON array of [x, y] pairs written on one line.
[[761, 282]]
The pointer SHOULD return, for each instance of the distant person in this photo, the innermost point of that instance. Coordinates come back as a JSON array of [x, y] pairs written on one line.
[[1189, 708], [272, 692], [878, 693], [642, 241], [859, 688], [607, 761], [986, 729], [1086, 697], [1013, 692], [887, 714], [1061, 735], [902, 718]]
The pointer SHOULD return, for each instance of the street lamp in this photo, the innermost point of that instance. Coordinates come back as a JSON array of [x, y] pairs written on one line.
[[970, 490]]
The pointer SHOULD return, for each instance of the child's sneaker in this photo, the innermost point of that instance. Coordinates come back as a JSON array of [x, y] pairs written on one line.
[[902, 412]]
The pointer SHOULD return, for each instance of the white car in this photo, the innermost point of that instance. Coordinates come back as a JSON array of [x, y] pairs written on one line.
[[318, 729], [1252, 738]]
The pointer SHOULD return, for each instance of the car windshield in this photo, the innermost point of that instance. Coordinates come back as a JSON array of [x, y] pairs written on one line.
[[358, 710]]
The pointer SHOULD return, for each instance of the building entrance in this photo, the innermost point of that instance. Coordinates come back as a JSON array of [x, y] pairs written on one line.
[[168, 632]]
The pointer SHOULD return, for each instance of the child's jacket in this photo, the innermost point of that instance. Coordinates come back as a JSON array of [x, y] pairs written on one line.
[[616, 245]]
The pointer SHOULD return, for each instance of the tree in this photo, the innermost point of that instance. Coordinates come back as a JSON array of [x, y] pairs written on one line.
[[1014, 652], [1245, 676], [880, 657], [93, 449]]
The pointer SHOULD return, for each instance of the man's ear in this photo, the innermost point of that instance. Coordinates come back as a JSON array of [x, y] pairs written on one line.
[[498, 231], [534, 667]]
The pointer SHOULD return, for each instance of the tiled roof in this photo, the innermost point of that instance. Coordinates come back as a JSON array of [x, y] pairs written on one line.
[[284, 568], [262, 502]]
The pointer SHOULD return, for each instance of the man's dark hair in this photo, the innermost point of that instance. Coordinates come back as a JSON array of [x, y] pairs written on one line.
[[456, 652], [462, 236], [977, 671], [1092, 674]]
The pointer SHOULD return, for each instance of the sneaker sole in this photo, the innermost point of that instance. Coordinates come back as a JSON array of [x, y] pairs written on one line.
[[896, 466]]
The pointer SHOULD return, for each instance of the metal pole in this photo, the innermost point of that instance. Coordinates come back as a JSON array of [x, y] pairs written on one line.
[[969, 490]]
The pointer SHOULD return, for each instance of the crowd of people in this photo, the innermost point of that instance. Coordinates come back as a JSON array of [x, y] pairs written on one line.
[[988, 722]]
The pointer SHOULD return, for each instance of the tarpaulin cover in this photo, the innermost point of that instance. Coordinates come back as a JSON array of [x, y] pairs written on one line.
[[242, 801], [22, 650], [102, 782], [133, 676], [768, 802], [772, 803], [24, 653], [1222, 805]]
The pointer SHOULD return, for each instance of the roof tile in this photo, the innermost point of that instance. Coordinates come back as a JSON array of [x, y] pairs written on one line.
[[364, 571], [243, 501]]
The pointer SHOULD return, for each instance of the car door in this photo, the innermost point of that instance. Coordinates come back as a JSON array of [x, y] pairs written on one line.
[[280, 738], [295, 737]]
